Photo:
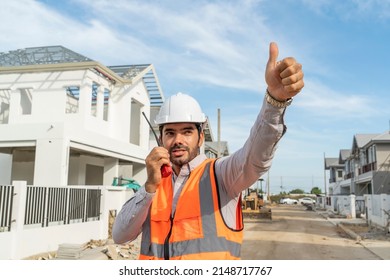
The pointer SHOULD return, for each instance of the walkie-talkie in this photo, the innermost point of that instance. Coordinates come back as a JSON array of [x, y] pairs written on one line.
[[166, 169]]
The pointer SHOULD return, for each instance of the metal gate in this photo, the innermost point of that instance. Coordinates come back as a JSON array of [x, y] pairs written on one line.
[[360, 207]]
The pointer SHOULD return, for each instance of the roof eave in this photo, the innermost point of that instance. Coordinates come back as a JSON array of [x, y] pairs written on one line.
[[67, 67]]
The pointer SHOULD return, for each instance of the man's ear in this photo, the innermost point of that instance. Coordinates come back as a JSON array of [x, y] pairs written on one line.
[[201, 139]]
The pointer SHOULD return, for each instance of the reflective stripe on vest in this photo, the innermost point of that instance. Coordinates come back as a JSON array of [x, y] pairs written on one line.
[[209, 243]]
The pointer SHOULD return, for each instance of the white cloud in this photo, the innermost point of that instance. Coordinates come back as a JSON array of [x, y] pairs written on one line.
[[320, 100], [352, 9], [210, 42]]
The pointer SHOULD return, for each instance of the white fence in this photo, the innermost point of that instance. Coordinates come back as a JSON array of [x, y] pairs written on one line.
[[374, 208], [34, 219], [378, 210]]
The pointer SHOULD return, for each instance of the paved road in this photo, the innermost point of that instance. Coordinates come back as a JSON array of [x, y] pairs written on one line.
[[298, 234]]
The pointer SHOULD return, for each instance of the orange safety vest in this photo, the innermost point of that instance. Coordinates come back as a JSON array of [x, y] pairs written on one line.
[[197, 229]]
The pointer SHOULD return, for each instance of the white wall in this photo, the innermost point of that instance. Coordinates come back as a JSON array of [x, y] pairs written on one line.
[[5, 169], [375, 204], [22, 241]]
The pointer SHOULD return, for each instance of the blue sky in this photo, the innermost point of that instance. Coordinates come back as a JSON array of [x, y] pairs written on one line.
[[216, 51]]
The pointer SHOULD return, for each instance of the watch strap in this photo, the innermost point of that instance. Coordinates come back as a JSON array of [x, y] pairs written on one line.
[[274, 102]]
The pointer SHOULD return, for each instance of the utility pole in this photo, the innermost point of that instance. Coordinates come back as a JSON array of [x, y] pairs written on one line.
[[268, 193]]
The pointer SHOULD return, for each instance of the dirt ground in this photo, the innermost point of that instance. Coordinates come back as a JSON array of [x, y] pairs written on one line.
[[364, 231], [289, 232]]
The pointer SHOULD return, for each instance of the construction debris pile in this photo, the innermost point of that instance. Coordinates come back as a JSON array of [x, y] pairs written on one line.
[[93, 250]]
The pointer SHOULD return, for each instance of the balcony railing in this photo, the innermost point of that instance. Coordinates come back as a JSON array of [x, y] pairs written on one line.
[[367, 168]]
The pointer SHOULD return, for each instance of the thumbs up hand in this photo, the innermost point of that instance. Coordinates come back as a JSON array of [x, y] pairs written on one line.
[[285, 77]]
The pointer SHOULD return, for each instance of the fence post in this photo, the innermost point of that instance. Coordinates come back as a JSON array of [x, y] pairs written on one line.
[[45, 221], [368, 203], [104, 213], [17, 219], [352, 202], [383, 207], [84, 219]]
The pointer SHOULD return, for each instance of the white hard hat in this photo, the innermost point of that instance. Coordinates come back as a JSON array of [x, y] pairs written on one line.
[[180, 108]]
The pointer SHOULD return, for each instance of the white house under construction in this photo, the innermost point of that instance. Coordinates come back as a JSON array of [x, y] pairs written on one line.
[[68, 120]]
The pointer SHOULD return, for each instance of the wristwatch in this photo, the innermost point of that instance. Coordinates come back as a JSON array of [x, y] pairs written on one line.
[[279, 104]]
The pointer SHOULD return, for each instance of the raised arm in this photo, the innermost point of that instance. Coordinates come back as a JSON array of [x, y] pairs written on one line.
[[239, 171]]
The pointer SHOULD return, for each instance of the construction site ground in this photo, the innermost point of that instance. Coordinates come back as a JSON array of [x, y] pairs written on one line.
[[281, 232]]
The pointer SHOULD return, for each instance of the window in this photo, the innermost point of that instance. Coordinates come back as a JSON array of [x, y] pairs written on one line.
[[72, 99], [362, 158], [4, 105], [106, 104], [95, 89], [347, 167], [371, 154]]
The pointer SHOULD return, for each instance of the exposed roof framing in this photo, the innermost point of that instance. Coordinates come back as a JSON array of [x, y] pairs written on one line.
[[53, 58], [146, 71], [40, 55]]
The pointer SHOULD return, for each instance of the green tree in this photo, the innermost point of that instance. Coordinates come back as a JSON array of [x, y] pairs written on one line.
[[315, 190], [297, 191]]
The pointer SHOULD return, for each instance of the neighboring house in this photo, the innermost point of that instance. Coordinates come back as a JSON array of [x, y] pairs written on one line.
[[365, 168], [370, 160], [215, 149], [343, 183], [336, 167], [68, 120], [336, 170], [359, 184]]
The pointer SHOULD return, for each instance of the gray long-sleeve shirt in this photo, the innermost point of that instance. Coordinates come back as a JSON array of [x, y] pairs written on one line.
[[234, 173]]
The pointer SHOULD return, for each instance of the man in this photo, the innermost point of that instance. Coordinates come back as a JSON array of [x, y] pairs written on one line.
[[195, 213]]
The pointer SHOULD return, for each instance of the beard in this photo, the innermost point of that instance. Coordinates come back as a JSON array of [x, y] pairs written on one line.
[[188, 155]]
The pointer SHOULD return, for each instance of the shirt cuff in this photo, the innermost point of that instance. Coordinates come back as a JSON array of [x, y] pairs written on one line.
[[271, 113], [143, 195]]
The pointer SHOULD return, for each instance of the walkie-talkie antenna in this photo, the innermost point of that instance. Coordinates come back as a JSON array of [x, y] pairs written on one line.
[[166, 169]]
